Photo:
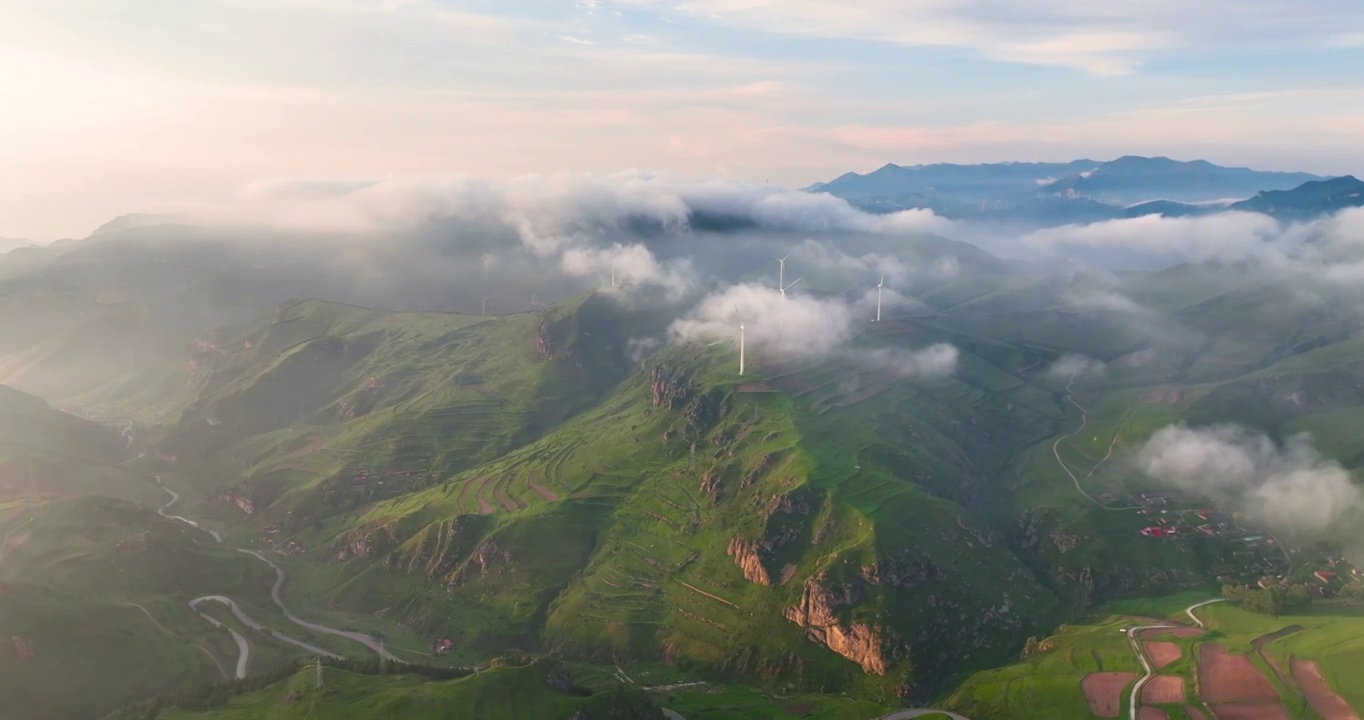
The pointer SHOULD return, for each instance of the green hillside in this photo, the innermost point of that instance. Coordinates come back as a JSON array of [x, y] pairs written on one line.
[[514, 482], [328, 407], [93, 602], [543, 689], [679, 516], [821, 525], [48, 453]]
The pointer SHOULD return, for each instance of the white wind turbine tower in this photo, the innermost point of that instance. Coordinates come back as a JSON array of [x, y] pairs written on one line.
[[788, 287], [879, 285], [741, 339], [781, 270]]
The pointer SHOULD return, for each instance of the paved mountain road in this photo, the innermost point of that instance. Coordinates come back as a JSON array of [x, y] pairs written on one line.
[[366, 640]]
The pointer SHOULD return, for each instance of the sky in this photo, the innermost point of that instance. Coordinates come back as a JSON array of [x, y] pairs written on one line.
[[108, 108]]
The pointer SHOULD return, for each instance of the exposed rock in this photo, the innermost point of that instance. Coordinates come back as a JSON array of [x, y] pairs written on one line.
[[242, 502], [745, 555], [357, 548], [487, 557], [710, 484], [545, 344], [816, 612], [669, 386], [1064, 541], [903, 570]]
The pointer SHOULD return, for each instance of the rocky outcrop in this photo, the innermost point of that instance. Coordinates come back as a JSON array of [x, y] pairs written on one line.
[[746, 556], [669, 386], [786, 520], [355, 548], [243, 503], [487, 558], [704, 411], [545, 341], [904, 569], [864, 644]]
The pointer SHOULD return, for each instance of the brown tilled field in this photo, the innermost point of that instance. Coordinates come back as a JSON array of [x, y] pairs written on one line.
[[1163, 690], [1103, 691], [1328, 705], [1150, 713], [1163, 653], [1225, 678], [1250, 711], [1195, 713]]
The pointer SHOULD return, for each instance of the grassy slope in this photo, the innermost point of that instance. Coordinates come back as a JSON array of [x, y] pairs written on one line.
[[44, 452], [508, 693], [99, 587], [635, 537], [1047, 684], [331, 406]]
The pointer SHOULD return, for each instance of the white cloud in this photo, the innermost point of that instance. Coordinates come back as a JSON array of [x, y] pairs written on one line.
[[632, 265], [1292, 487], [1327, 250], [934, 362], [1073, 367], [1224, 235], [550, 210], [804, 326], [795, 325]]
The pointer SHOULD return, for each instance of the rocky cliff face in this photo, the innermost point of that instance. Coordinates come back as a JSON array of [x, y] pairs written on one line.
[[786, 520], [441, 547], [866, 645], [669, 386], [746, 556]]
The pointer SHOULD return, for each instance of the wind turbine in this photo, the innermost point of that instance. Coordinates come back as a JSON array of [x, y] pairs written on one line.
[[741, 339], [781, 270], [879, 285], [788, 287]]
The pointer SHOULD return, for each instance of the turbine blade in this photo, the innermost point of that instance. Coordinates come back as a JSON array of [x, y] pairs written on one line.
[[793, 284]]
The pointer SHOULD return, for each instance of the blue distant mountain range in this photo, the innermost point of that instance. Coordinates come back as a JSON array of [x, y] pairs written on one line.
[[1042, 194]]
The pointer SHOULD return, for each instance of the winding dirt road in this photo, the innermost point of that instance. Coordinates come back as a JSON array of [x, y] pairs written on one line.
[[1056, 450]]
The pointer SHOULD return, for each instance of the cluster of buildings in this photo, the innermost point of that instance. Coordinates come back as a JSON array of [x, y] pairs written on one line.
[[1247, 554]]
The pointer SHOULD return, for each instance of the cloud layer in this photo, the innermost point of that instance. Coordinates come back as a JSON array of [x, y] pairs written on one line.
[[792, 325], [1290, 487]]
